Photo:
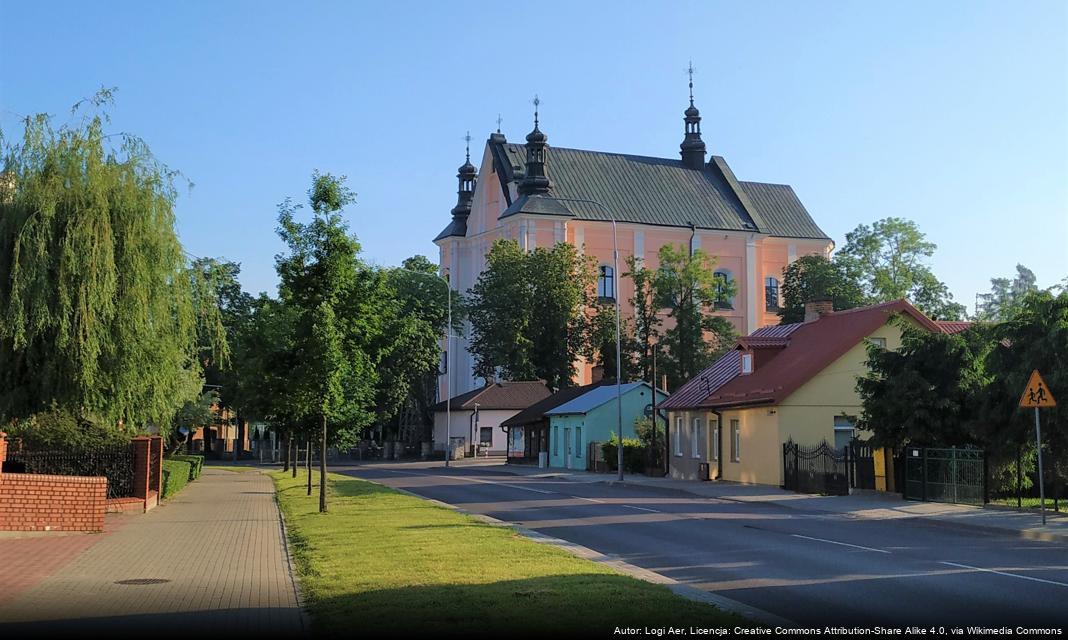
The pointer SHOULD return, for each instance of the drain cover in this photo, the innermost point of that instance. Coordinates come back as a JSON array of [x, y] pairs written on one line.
[[136, 581]]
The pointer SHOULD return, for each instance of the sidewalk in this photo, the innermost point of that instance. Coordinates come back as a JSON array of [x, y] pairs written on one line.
[[871, 505], [212, 559]]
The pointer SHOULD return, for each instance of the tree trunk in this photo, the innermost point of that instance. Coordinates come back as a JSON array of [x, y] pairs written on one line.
[[296, 452], [285, 463], [322, 471], [308, 462]]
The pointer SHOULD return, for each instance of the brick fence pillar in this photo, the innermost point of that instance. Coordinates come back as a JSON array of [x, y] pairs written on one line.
[[142, 464], [3, 453]]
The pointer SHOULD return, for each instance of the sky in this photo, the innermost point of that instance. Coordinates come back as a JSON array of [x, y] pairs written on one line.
[[952, 114]]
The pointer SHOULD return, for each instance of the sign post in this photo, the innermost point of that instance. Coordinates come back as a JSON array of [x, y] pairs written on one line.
[[1037, 396]]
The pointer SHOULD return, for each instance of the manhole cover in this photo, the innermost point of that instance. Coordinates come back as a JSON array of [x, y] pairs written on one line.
[[136, 581]]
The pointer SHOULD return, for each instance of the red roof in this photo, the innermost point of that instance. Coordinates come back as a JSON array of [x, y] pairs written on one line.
[[499, 395], [952, 326], [811, 347]]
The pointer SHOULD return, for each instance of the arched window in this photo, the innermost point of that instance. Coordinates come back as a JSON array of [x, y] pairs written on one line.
[[606, 282], [771, 294], [723, 279]]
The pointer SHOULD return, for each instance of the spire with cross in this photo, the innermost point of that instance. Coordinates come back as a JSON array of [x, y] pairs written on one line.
[[499, 121], [467, 139], [689, 71], [693, 147]]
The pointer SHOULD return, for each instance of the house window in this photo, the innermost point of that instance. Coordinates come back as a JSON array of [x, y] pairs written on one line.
[[578, 442], [736, 442], [695, 438], [485, 435], [723, 279], [678, 436], [879, 342], [606, 282], [715, 441], [556, 440], [771, 294], [844, 430], [747, 363]]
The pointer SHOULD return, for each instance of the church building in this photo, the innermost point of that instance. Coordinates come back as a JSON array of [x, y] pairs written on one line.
[[540, 195]]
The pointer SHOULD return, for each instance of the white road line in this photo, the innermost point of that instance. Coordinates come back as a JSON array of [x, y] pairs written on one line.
[[588, 499], [843, 544], [639, 508], [468, 479], [1010, 575]]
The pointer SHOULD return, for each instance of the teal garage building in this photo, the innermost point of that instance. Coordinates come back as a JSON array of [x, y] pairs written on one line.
[[592, 417]]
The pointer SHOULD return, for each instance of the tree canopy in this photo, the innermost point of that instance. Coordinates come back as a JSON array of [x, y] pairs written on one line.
[[101, 312], [811, 277]]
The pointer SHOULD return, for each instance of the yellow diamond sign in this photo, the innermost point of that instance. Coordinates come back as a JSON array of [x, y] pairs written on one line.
[[1037, 393]]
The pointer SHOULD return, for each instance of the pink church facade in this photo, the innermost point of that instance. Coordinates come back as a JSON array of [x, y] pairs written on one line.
[[540, 195]]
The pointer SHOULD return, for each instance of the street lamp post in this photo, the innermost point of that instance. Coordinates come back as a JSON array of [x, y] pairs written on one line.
[[619, 361], [448, 358]]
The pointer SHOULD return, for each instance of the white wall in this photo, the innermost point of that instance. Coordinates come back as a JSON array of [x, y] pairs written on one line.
[[462, 424]]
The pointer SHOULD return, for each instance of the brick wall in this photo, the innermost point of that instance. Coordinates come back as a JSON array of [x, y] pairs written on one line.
[[32, 502]]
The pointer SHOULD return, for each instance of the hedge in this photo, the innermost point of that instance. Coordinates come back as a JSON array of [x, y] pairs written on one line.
[[633, 455], [196, 464], [176, 475]]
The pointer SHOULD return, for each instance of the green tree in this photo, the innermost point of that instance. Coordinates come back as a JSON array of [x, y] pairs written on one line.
[[686, 286], [1006, 295], [335, 298], [811, 277], [926, 392], [528, 312], [100, 310], [890, 259], [601, 350], [647, 320]]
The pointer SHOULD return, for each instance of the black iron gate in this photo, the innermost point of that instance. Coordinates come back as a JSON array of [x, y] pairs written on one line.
[[861, 465], [818, 469], [945, 475]]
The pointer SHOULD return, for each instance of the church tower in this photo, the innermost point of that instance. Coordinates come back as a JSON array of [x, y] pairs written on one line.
[[692, 147], [535, 181]]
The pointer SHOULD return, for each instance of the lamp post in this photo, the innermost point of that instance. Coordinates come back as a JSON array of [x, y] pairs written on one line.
[[615, 294], [448, 357]]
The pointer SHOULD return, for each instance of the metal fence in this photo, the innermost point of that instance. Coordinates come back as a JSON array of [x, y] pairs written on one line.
[[819, 469], [945, 475], [116, 463]]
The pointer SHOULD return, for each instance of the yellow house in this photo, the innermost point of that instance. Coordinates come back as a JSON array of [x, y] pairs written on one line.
[[794, 382]]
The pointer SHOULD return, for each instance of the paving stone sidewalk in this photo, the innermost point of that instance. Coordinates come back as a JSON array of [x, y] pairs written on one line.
[[212, 559]]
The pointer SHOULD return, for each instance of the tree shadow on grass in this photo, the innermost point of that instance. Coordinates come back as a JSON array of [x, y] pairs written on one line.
[[587, 604]]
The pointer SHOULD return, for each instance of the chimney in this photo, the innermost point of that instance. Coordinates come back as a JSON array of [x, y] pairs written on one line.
[[817, 307]]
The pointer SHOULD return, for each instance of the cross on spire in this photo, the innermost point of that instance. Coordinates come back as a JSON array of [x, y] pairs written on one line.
[[467, 139], [689, 71], [499, 120], [536, 101]]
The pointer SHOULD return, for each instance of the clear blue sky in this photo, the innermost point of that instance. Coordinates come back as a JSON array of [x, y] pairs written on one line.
[[953, 114]]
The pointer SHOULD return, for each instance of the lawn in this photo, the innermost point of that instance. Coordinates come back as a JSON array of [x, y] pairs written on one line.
[[387, 562]]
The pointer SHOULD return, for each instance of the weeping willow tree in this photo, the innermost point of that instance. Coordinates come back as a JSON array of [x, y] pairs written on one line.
[[100, 313]]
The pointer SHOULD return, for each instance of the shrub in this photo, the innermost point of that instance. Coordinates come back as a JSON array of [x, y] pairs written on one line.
[[62, 430], [176, 475], [196, 464], [633, 454]]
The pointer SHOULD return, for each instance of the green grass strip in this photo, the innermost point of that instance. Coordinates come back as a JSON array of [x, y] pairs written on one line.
[[385, 562]]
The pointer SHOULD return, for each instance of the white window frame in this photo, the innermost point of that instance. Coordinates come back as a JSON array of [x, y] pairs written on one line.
[[606, 282], [879, 342], [747, 363], [715, 442], [736, 441], [678, 436], [695, 438]]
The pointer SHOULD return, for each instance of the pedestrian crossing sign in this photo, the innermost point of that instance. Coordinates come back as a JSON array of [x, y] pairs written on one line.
[[1037, 393]]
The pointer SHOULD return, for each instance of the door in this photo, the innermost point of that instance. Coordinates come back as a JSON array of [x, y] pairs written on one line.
[[567, 439]]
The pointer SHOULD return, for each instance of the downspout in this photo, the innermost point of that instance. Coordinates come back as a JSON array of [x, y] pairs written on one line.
[[719, 443]]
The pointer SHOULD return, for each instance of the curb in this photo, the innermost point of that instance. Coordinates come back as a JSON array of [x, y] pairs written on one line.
[[305, 619], [694, 594]]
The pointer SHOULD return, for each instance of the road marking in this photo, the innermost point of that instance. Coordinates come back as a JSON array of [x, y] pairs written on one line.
[[639, 508], [843, 544], [588, 499], [1010, 575], [468, 479]]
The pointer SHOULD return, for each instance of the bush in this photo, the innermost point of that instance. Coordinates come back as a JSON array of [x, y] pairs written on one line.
[[196, 464], [62, 430], [633, 454], [176, 474]]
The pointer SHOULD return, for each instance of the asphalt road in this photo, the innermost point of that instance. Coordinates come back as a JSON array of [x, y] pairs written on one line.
[[811, 568]]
